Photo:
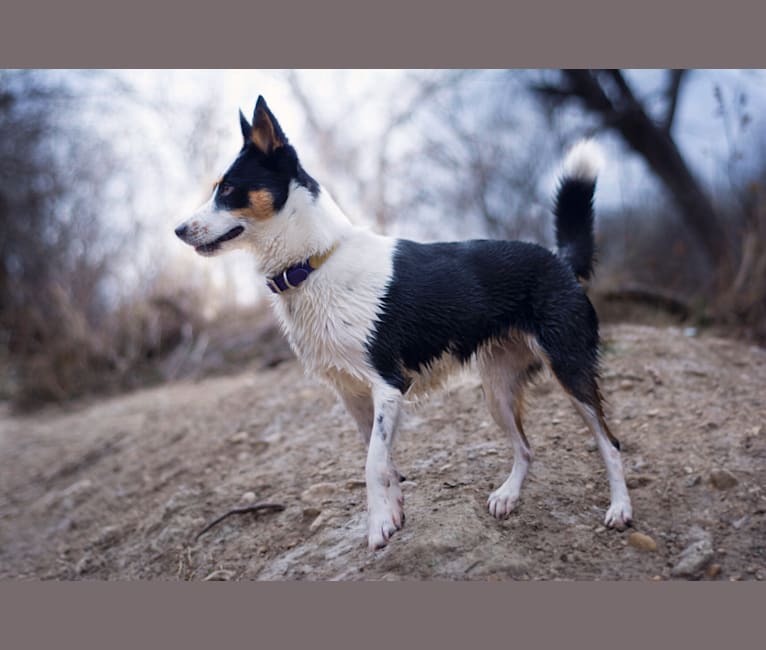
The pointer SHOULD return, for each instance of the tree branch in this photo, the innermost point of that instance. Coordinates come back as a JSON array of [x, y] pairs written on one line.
[[674, 86]]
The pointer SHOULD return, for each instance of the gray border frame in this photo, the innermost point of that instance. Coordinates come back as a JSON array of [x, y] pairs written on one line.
[[385, 615], [395, 33], [87, 33]]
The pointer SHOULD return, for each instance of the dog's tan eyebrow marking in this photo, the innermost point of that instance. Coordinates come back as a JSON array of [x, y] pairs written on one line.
[[261, 206], [217, 183]]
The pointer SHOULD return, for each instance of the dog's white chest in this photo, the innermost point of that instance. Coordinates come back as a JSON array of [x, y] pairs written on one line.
[[320, 332], [328, 320]]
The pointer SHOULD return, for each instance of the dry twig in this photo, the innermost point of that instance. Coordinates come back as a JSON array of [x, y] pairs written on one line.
[[256, 507]]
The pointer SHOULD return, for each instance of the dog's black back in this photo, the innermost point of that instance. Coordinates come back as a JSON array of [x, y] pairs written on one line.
[[454, 297]]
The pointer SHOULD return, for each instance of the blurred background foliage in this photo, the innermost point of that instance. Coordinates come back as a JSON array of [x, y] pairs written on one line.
[[96, 167]]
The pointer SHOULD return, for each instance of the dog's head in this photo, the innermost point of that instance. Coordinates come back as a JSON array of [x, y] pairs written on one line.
[[250, 196]]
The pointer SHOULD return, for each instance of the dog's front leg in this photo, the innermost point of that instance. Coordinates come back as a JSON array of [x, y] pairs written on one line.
[[385, 502], [359, 405]]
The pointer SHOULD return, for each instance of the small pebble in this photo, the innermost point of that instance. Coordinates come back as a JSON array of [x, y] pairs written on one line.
[[694, 559], [238, 438], [248, 497], [642, 542], [321, 520], [319, 492], [723, 479]]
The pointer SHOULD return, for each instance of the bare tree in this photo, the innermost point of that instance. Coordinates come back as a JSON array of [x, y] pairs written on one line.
[[607, 94]]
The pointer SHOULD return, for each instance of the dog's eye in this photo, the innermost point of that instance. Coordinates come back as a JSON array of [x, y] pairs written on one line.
[[225, 189]]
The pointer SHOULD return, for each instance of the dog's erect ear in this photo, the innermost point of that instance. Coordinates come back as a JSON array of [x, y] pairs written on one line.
[[247, 130], [267, 135]]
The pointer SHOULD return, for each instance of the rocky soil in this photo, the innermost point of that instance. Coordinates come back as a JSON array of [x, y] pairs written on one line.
[[118, 489]]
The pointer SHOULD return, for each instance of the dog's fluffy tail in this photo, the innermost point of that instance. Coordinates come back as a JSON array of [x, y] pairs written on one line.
[[574, 207]]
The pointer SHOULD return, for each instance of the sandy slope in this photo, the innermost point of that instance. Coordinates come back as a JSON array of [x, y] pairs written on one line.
[[118, 488]]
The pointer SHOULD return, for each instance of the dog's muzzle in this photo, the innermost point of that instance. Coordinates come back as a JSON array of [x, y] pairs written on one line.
[[182, 232]]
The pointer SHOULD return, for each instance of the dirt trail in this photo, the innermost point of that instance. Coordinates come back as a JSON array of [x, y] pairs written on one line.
[[118, 489]]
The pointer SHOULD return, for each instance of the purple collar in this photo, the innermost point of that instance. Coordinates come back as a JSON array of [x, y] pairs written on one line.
[[295, 275]]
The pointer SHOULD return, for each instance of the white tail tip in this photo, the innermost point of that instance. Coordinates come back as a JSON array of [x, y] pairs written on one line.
[[584, 161]]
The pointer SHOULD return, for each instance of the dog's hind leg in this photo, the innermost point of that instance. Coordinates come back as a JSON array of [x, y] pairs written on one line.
[[576, 371], [620, 512], [385, 502], [504, 372], [571, 344]]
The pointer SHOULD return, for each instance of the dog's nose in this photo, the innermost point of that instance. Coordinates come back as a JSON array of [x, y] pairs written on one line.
[[181, 230]]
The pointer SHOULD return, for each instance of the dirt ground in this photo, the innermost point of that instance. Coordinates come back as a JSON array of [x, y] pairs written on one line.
[[118, 488]]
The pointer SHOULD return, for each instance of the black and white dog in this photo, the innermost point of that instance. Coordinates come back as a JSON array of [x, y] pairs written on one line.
[[383, 319]]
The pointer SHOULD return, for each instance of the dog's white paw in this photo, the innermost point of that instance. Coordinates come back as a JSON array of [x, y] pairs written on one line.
[[502, 502], [385, 516], [381, 527], [619, 515]]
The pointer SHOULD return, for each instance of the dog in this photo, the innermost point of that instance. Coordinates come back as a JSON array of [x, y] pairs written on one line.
[[382, 320]]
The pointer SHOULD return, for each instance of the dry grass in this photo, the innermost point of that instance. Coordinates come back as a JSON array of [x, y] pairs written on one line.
[[651, 270], [158, 336]]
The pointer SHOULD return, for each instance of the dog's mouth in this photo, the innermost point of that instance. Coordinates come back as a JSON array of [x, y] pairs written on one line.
[[207, 249]]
